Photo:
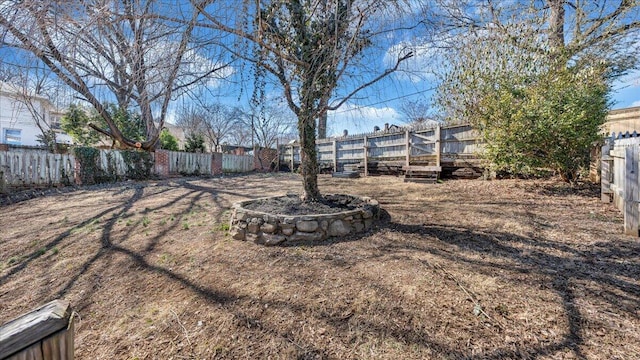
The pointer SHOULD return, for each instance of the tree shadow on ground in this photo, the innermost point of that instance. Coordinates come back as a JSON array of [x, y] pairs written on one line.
[[562, 264], [565, 268], [562, 189]]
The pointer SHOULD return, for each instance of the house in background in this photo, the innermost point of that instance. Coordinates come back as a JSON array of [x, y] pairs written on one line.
[[18, 113], [622, 120]]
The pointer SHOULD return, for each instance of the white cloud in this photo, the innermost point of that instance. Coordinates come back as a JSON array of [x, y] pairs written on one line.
[[635, 103], [360, 119]]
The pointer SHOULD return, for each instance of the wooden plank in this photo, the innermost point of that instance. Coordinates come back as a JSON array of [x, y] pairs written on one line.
[[407, 145], [631, 189], [33, 352], [382, 146], [438, 135], [421, 148], [335, 155], [606, 163], [366, 160], [424, 137], [33, 327], [292, 158], [422, 168], [59, 346]]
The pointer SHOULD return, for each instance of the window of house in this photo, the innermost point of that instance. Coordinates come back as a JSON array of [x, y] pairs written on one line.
[[55, 122], [12, 136]]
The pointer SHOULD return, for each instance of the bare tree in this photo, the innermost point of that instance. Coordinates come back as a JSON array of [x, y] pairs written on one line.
[[268, 123], [241, 134], [415, 112], [311, 48], [214, 122], [219, 122], [558, 30], [129, 52]]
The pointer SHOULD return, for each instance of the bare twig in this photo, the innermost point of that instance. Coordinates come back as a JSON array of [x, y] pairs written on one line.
[[470, 295], [186, 334]]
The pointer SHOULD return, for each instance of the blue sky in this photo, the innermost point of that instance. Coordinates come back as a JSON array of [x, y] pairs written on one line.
[[379, 104], [383, 102]]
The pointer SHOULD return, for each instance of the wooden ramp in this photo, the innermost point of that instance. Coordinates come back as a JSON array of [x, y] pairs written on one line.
[[421, 174]]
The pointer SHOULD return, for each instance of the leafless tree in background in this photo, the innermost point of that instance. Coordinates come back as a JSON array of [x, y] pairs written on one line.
[[214, 122], [137, 53]]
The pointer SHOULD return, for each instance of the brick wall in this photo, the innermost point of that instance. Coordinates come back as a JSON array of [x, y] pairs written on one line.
[[161, 167], [216, 163], [4, 147]]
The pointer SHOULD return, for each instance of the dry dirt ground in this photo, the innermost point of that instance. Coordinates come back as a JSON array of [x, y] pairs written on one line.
[[465, 269]]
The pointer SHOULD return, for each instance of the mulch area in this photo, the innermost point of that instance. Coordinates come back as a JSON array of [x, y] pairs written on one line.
[[465, 269]]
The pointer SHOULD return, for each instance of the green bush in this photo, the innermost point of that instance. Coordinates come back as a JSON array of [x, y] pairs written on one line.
[[168, 141], [552, 123], [194, 143]]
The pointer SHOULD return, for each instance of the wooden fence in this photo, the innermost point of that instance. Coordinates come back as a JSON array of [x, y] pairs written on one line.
[[237, 163], [452, 145], [189, 163], [29, 168], [43, 334], [32, 167], [200, 163], [619, 178]]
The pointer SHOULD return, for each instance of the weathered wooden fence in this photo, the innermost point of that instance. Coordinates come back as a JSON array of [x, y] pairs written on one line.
[[28, 168], [31, 167], [201, 163], [43, 334], [237, 163], [112, 159], [619, 178], [435, 145], [189, 163]]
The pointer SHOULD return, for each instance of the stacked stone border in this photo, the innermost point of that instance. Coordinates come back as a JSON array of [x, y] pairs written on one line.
[[274, 229]]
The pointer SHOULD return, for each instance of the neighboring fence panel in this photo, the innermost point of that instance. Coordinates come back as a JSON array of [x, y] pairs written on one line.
[[45, 334], [460, 140], [430, 143], [387, 146], [325, 151], [237, 163], [189, 163], [28, 167], [112, 159], [620, 181]]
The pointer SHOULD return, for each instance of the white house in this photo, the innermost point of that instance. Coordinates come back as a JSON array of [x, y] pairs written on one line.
[[18, 113]]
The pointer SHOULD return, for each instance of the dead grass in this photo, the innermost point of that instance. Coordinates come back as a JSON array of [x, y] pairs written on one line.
[[459, 270]]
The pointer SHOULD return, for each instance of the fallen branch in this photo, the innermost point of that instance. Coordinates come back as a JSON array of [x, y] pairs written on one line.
[[470, 295]]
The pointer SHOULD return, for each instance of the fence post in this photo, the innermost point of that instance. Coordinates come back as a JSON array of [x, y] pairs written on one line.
[[606, 176], [631, 189], [437, 145], [278, 155], [407, 144], [45, 333], [2, 182], [365, 150], [335, 155]]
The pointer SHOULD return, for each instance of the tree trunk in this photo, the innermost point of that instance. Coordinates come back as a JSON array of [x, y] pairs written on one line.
[[322, 120], [556, 25], [308, 158]]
